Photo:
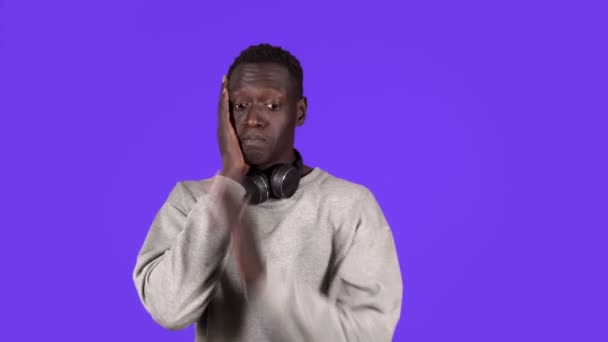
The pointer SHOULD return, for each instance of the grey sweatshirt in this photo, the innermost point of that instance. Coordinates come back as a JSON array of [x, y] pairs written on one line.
[[332, 272]]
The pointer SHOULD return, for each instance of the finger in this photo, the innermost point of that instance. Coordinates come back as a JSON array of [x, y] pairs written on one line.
[[223, 89], [223, 85], [226, 109], [223, 104]]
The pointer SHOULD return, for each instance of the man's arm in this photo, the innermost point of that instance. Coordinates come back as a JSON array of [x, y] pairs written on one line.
[[180, 261], [364, 302]]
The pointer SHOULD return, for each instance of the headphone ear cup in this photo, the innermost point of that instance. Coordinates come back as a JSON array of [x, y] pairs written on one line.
[[257, 187], [284, 181]]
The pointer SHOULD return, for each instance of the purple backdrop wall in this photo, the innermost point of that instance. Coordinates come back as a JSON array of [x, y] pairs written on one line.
[[479, 126]]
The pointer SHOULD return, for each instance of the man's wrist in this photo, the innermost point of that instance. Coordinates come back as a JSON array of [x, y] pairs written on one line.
[[255, 281], [236, 175]]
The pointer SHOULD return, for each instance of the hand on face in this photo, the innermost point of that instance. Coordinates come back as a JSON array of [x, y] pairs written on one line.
[[233, 162]]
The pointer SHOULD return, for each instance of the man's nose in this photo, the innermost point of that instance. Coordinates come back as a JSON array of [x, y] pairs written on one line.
[[254, 116]]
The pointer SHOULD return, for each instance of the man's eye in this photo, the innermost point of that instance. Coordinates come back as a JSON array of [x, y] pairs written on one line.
[[272, 106], [239, 106]]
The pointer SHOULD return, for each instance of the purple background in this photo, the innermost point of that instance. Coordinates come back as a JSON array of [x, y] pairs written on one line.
[[479, 126]]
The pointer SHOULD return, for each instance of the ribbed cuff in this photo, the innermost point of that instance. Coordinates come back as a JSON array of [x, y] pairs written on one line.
[[225, 184]]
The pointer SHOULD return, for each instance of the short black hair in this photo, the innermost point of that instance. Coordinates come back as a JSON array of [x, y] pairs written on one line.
[[266, 53]]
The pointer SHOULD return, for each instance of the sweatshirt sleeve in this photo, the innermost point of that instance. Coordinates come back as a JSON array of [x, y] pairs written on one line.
[[179, 263], [364, 300]]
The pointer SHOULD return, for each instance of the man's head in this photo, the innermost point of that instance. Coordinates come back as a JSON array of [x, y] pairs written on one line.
[[267, 103]]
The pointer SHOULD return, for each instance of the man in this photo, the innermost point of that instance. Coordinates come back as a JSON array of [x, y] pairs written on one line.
[[304, 258]]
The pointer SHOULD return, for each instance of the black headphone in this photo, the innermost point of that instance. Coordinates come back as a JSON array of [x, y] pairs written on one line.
[[278, 181]]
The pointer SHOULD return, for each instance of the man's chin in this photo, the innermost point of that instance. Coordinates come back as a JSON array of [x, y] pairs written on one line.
[[256, 157]]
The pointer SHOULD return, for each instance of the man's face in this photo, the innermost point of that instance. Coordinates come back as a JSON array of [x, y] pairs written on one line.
[[265, 112]]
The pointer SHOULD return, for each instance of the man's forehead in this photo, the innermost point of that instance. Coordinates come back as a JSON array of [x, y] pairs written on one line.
[[267, 67], [260, 75]]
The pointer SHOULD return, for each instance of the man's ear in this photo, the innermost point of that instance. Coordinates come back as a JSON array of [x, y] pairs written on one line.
[[301, 108]]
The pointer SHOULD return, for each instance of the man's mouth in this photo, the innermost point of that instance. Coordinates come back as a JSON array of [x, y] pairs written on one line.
[[252, 137], [253, 140]]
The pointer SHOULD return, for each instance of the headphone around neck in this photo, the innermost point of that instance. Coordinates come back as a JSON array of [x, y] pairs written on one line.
[[278, 181]]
